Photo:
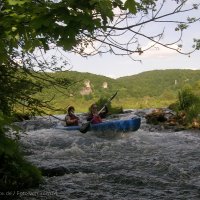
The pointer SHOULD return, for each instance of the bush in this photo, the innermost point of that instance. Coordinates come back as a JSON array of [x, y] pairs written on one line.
[[186, 99], [189, 103], [114, 110], [15, 172]]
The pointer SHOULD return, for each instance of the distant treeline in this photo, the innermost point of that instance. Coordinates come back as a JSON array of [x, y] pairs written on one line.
[[148, 89]]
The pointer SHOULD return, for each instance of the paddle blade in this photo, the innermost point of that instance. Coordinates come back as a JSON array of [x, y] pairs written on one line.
[[85, 127], [113, 96]]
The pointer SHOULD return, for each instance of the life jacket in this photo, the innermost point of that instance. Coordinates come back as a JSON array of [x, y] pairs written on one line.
[[96, 120], [71, 117]]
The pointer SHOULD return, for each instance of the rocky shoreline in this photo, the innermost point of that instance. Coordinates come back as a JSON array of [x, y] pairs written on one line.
[[166, 119]]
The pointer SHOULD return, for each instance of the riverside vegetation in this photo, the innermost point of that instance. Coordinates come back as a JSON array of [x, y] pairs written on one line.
[[176, 89], [15, 172], [158, 88]]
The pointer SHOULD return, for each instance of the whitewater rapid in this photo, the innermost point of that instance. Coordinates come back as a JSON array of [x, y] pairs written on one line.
[[125, 166]]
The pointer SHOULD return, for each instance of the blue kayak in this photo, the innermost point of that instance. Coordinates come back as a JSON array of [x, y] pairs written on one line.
[[126, 125]]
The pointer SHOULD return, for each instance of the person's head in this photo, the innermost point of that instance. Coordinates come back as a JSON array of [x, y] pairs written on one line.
[[93, 108], [70, 110]]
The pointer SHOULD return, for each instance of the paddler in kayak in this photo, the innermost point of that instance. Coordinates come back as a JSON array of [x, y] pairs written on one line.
[[71, 119], [94, 117]]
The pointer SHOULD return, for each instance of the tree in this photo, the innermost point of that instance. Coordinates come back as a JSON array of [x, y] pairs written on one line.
[[74, 24], [29, 28], [130, 31]]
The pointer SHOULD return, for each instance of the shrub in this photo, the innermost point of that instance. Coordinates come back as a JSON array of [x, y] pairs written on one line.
[[189, 103], [186, 99], [114, 110], [15, 172]]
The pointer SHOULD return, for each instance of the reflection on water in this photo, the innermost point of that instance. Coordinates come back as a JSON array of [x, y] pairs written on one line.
[[135, 165]]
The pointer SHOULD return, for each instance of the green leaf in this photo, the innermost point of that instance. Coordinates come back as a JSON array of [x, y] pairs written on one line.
[[131, 6], [67, 43], [17, 2]]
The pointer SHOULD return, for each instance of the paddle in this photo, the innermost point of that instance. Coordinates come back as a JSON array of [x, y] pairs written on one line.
[[56, 117], [85, 127]]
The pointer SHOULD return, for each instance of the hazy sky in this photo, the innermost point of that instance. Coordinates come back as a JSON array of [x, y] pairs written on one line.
[[117, 66], [156, 58]]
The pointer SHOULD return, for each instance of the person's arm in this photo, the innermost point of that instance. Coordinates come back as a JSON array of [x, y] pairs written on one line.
[[103, 114], [89, 117], [70, 121]]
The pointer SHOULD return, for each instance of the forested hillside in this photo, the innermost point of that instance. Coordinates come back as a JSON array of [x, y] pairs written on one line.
[[155, 83], [148, 89]]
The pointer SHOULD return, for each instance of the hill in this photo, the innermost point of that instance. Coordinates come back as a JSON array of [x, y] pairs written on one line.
[[154, 83], [148, 89]]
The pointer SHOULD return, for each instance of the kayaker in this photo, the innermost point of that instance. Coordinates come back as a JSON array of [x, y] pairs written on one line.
[[71, 119], [94, 117]]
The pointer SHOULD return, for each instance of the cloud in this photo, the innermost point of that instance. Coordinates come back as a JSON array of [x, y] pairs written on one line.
[[158, 51]]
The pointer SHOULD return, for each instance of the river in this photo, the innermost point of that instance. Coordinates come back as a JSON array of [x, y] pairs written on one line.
[[141, 165]]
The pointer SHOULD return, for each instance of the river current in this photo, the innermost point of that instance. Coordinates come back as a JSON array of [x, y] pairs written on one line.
[[143, 165]]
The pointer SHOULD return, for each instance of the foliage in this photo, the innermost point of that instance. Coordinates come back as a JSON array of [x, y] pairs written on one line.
[[16, 87], [15, 172], [187, 106], [156, 82], [71, 24], [189, 103], [39, 23], [186, 99], [102, 101], [145, 90]]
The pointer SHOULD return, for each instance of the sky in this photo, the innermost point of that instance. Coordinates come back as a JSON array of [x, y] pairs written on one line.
[[119, 66], [158, 58], [155, 59]]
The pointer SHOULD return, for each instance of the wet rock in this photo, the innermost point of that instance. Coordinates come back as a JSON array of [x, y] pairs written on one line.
[[140, 113], [155, 117], [60, 170], [180, 128], [57, 171], [128, 111], [165, 119], [195, 124]]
